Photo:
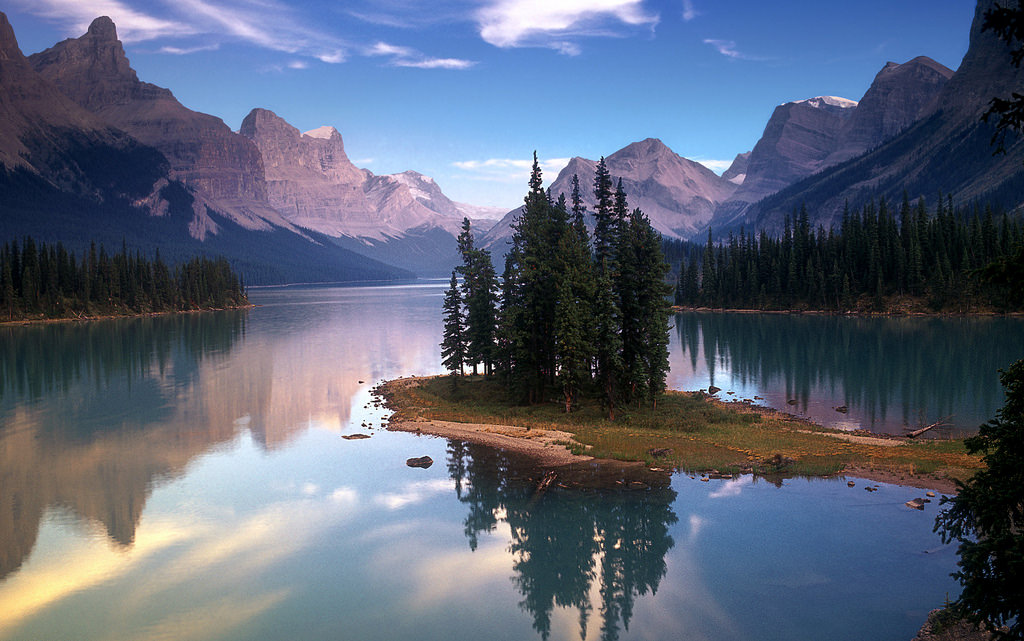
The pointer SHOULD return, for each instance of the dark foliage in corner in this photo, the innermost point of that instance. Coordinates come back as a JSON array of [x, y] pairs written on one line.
[[987, 518]]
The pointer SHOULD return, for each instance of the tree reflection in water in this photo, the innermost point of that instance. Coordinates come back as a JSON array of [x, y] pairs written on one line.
[[568, 541], [890, 372]]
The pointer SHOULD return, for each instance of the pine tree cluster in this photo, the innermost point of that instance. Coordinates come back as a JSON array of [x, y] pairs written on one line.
[[577, 316], [47, 281], [876, 253]]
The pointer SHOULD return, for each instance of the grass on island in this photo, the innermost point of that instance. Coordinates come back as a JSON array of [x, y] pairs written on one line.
[[702, 434]]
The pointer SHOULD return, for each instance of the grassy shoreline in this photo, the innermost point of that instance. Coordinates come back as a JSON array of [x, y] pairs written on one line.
[[694, 433]]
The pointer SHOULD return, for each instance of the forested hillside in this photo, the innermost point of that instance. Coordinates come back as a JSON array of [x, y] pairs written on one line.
[[47, 281]]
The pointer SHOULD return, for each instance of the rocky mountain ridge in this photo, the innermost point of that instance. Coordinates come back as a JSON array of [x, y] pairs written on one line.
[[284, 180], [68, 174], [678, 195], [946, 150], [805, 137]]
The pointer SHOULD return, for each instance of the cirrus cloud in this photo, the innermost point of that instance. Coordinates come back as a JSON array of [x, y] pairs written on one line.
[[409, 57], [542, 23], [508, 170]]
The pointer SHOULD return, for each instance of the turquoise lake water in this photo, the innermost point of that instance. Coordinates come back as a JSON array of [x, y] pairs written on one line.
[[185, 477]]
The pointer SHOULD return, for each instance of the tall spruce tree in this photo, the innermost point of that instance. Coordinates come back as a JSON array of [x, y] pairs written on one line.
[[453, 343], [604, 224], [652, 295], [574, 328], [479, 285], [531, 291]]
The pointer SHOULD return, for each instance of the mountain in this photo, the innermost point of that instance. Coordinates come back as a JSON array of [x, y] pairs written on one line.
[[403, 219], [309, 178], [678, 195], [737, 171], [947, 150], [897, 98], [222, 168], [808, 136], [49, 141], [797, 140], [68, 174]]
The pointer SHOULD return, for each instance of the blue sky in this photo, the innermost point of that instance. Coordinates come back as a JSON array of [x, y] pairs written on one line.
[[466, 90]]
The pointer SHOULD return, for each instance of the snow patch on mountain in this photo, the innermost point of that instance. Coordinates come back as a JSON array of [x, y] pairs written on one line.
[[323, 133]]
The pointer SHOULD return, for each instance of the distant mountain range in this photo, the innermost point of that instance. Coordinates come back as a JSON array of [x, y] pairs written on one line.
[[946, 148], [90, 152], [678, 195]]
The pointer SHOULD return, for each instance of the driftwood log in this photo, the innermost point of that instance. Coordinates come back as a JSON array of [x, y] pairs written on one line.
[[939, 423]]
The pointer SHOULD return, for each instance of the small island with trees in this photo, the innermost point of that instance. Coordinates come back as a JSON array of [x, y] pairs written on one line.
[[574, 342]]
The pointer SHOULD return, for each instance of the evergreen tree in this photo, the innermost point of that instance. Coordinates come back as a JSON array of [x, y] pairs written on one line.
[[986, 517], [654, 310], [531, 291], [574, 330], [453, 344], [479, 293], [604, 224]]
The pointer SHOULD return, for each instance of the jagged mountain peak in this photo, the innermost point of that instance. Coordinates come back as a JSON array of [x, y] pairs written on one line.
[[947, 149], [93, 69], [102, 28], [737, 171], [648, 148], [8, 42], [830, 103]]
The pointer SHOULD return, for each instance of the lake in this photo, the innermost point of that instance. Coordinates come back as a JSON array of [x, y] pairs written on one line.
[[185, 477]]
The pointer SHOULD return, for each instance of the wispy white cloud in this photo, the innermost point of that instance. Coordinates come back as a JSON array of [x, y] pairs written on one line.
[[267, 24], [409, 57], [731, 488], [725, 47], [414, 493], [689, 12], [543, 23], [717, 166], [509, 170], [132, 25], [436, 63], [184, 51], [729, 49]]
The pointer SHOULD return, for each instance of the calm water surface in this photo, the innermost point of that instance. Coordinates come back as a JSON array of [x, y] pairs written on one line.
[[185, 478]]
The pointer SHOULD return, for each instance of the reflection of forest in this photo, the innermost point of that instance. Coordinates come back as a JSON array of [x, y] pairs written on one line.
[[567, 543], [928, 367], [88, 418]]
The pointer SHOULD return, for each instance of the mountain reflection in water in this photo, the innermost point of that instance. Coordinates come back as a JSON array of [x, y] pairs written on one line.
[[185, 477], [93, 413]]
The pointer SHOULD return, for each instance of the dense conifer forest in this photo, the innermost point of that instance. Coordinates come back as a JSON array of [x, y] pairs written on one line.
[[572, 316], [950, 259], [46, 281]]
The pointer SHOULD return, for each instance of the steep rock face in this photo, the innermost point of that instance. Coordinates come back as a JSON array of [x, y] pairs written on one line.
[[48, 136], [310, 179], [678, 195], [737, 171], [897, 98], [224, 168], [809, 136], [798, 138], [312, 183], [403, 219], [948, 150]]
